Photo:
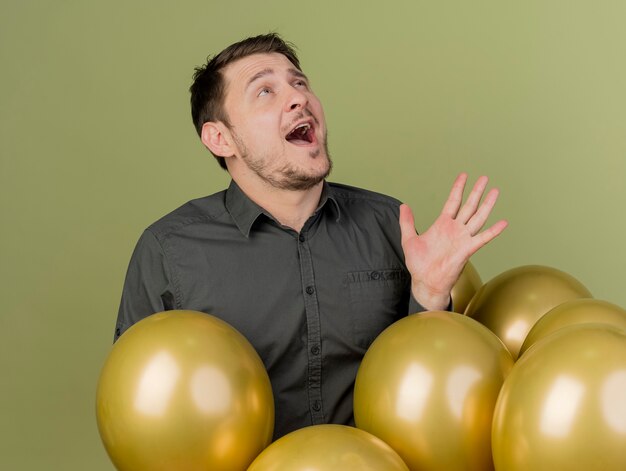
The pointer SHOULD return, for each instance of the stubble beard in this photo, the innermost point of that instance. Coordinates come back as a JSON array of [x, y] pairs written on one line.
[[287, 177]]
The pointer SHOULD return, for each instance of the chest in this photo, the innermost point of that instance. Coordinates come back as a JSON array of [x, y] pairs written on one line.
[[276, 284]]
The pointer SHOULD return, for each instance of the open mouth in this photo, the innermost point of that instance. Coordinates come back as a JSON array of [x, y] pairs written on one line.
[[301, 135]]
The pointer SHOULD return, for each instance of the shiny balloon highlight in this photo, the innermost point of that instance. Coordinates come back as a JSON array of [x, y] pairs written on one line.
[[184, 390], [564, 404], [427, 386]]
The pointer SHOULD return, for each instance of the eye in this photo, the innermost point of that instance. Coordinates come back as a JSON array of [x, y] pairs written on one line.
[[264, 91], [300, 83]]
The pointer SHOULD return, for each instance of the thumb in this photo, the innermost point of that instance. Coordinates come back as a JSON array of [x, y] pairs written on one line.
[[407, 224]]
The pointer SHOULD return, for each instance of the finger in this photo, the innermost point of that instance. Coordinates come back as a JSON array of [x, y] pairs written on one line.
[[482, 239], [477, 221], [451, 208], [407, 224], [471, 205]]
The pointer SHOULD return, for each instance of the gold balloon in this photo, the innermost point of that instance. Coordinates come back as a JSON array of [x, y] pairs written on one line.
[[563, 405], [511, 303], [465, 288], [427, 386], [328, 448], [578, 311], [184, 391]]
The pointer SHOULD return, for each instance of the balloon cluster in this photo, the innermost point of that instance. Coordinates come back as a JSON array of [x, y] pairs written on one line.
[[532, 377], [185, 391], [529, 374]]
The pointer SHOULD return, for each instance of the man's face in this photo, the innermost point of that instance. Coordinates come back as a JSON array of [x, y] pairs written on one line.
[[276, 121]]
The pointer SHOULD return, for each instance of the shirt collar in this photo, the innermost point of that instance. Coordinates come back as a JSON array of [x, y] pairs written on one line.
[[242, 209], [329, 195], [245, 212]]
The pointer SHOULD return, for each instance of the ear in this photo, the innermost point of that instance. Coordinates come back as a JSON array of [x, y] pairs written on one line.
[[217, 139]]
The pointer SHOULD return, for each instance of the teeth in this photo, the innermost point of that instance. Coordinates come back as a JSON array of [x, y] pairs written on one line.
[[303, 125]]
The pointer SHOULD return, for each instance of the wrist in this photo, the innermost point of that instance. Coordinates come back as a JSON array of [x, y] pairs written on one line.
[[430, 299]]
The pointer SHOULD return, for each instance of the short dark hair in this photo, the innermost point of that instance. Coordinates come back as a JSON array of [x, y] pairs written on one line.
[[208, 87]]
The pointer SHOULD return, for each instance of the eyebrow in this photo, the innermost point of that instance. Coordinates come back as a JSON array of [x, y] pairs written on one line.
[[268, 71]]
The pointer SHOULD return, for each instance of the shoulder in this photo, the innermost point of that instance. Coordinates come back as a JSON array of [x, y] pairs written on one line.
[[206, 210], [353, 196], [365, 208]]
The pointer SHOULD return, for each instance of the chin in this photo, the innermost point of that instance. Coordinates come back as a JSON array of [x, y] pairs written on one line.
[[298, 180]]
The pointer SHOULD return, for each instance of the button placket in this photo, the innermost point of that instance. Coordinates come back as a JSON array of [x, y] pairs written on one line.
[[311, 307]]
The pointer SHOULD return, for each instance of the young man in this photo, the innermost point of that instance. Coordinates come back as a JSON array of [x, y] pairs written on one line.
[[309, 271]]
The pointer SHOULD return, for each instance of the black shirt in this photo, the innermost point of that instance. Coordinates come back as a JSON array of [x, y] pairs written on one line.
[[310, 302]]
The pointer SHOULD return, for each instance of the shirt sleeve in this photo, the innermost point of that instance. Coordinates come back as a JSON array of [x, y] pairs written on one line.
[[147, 287]]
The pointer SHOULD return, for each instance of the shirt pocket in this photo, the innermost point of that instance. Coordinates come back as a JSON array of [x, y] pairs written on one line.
[[378, 298]]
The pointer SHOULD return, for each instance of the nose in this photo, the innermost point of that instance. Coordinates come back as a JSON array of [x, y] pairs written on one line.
[[296, 100]]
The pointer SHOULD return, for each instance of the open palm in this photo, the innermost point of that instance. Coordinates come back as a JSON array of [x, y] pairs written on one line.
[[436, 258]]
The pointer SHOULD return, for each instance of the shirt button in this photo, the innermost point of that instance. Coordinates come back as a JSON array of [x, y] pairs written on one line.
[[375, 275], [117, 332], [301, 238], [310, 290], [315, 349], [317, 406]]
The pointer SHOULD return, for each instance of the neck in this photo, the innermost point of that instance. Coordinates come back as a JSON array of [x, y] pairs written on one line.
[[289, 207]]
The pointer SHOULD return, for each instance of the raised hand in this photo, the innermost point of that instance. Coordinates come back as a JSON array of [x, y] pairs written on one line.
[[436, 258]]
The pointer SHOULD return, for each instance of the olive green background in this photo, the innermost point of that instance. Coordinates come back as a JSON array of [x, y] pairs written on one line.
[[96, 142]]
